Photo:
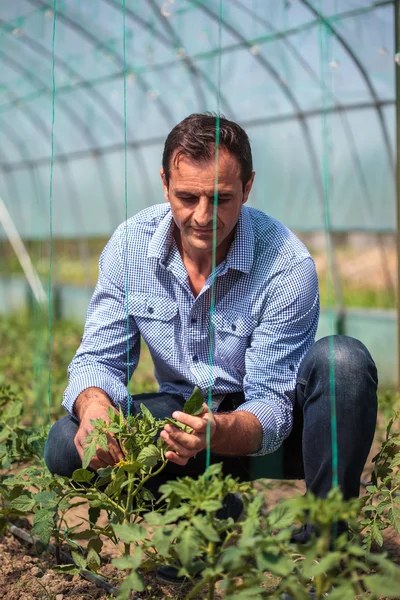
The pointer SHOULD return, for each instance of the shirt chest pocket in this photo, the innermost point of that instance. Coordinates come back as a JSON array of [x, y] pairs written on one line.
[[155, 317], [232, 338]]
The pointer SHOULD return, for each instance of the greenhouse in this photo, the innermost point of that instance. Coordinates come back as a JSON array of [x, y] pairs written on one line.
[[90, 90]]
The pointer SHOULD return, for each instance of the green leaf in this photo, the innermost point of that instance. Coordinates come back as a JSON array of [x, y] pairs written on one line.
[[162, 541], [82, 475], [66, 569], [104, 472], [280, 517], [194, 406], [132, 561], [95, 543], [278, 564], [204, 526], [132, 467], [381, 585], [342, 591], [46, 498], [12, 411], [78, 559], [394, 516], [130, 532], [82, 535], [147, 415], [132, 582], [89, 453], [23, 503], [178, 425], [326, 564], [211, 505], [93, 560], [43, 525], [188, 546], [149, 456], [376, 533]]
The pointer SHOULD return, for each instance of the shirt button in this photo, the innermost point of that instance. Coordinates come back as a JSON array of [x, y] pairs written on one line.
[[150, 310], [233, 327], [195, 358]]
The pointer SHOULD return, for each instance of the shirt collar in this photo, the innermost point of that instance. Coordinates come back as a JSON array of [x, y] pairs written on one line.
[[162, 238], [240, 255], [241, 252]]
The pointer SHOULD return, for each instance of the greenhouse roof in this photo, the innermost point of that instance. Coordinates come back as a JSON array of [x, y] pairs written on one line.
[[312, 82]]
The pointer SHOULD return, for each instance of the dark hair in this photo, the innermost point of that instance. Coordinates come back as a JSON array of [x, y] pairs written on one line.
[[195, 136]]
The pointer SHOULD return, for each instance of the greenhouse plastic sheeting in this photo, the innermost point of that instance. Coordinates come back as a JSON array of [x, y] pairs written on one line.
[[311, 81]]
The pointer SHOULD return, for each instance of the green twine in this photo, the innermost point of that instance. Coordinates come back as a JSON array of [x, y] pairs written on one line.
[[325, 182], [214, 249], [126, 212], [49, 287]]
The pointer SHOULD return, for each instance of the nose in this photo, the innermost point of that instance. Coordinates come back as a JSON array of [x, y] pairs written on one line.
[[203, 216]]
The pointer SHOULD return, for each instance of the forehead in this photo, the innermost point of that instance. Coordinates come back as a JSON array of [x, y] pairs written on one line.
[[185, 169]]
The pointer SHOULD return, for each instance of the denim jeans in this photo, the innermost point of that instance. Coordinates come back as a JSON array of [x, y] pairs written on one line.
[[307, 452]]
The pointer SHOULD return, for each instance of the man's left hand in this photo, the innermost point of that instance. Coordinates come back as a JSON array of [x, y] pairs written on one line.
[[186, 445]]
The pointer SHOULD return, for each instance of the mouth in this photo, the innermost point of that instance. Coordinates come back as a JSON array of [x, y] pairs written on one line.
[[202, 231]]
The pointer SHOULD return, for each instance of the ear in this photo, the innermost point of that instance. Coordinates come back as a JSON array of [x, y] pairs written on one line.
[[247, 187], [164, 184]]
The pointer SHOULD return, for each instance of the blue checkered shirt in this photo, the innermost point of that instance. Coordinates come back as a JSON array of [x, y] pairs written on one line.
[[265, 318]]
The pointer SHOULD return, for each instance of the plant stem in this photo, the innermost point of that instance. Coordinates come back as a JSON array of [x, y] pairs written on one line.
[[211, 583]]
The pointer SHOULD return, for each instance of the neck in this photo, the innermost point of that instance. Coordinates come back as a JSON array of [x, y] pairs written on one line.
[[201, 261]]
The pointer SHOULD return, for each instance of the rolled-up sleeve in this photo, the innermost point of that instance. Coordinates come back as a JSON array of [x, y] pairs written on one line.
[[286, 331], [110, 347]]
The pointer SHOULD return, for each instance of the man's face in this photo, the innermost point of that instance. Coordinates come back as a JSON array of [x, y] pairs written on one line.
[[191, 195]]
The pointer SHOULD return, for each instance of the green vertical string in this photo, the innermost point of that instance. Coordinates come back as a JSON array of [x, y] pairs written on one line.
[[322, 33], [49, 287], [214, 248], [126, 211]]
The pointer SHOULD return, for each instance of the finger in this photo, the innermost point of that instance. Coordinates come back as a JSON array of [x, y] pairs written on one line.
[[174, 458], [114, 449], [105, 457], [193, 442], [177, 447], [198, 423]]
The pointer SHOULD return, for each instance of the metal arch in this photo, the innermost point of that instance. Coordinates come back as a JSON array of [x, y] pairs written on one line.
[[42, 129], [364, 74], [112, 114], [11, 183], [191, 68], [77, 27], [305, 129], [150, 142], [188, 62], [72, 115], [191, 65], [347, 131]]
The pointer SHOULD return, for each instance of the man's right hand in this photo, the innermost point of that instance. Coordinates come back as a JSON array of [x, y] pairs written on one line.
[[92, 404]]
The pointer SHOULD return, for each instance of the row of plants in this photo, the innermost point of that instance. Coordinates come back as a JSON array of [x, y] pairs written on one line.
[[27, 354], [180, 526]]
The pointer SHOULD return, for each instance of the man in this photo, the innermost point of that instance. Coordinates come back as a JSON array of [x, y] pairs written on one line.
[[259, 310]]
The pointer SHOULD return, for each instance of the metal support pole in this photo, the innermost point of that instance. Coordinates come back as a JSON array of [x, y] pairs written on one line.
[[397, 191]]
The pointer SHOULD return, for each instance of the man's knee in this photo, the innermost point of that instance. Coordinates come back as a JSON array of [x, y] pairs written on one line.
[[60, 453], [349, 356]]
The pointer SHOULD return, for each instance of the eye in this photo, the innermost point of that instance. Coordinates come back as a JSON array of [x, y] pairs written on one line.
[[188, 198]]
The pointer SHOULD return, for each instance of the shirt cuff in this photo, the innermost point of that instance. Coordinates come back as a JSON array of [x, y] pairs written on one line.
[[275, 425], [116, 390]]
